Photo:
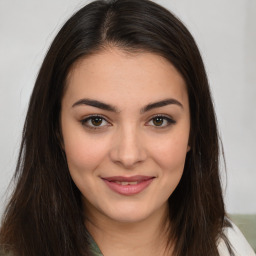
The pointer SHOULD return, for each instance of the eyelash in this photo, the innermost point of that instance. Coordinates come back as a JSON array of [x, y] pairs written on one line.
[[169, 121], [85, 121]]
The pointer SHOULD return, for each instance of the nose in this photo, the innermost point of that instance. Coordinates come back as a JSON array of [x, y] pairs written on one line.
[[127, 148]]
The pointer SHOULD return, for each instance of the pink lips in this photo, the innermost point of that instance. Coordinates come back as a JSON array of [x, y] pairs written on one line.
[[128, 185]]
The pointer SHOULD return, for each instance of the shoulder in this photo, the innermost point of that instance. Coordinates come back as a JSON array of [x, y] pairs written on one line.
[[238, 242]]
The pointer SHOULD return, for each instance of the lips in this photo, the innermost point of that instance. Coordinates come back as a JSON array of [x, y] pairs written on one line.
[[128, 185]]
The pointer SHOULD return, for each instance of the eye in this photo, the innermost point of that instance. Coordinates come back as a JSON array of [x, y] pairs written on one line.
[[95, 122], [161, 121]]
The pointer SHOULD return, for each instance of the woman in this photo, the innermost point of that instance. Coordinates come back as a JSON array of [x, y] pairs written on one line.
[[120, 146]]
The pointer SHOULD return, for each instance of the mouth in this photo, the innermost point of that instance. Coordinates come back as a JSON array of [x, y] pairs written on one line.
[[128, 185]]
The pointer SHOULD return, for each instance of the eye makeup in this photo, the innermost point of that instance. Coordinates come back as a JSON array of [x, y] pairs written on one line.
[[96, 121]]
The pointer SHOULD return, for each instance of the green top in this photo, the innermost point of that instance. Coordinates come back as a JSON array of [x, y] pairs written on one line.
[[95, 250]]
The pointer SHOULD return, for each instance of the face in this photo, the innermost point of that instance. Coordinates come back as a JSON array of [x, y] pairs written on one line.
[[125, 125]]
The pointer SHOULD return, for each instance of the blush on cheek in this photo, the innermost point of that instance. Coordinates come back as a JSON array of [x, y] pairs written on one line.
[[84, 153], [171, 148], [171, 157]]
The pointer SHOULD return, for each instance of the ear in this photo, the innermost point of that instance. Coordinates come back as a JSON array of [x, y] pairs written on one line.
[[188, 148]]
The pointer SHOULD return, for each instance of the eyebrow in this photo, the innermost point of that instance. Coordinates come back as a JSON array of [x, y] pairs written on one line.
[[96, 104], [109, 107], [159, 104]]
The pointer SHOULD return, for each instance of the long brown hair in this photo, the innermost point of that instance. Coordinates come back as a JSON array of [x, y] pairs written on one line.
[[44, 215]]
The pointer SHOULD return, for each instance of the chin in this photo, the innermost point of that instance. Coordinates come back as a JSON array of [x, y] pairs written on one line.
[[130, 213], [129, 217]]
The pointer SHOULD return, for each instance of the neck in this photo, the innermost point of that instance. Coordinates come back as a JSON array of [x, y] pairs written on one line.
[[146, 237]]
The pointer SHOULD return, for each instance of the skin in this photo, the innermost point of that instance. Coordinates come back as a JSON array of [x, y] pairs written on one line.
[[126, 143]]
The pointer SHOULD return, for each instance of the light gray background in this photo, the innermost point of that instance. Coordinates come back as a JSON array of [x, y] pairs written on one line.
[[225, 31]]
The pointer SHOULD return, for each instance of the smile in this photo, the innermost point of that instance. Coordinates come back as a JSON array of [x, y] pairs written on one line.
[[128, 185], [124, 183]]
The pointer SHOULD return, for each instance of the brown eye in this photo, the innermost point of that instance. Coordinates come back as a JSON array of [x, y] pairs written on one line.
[[161, 121], [96, 121], [158, 121]]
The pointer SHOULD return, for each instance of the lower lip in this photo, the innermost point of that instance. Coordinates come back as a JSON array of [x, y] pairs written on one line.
[[128, 189]]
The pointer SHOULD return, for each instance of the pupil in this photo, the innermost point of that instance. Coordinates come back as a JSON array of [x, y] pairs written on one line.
[[158, 121], [96, 121]]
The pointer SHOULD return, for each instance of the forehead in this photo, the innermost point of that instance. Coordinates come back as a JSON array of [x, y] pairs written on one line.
[[116, 74]]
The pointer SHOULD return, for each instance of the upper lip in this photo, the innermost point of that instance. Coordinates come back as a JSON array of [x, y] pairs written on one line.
[[138, 178]]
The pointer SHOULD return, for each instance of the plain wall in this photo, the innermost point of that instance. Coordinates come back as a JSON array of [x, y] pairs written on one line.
[[226, 35]]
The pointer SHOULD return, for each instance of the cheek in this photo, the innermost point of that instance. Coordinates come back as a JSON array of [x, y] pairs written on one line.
[[170, 153], [83, 151], [84, 154], [170, 157]]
